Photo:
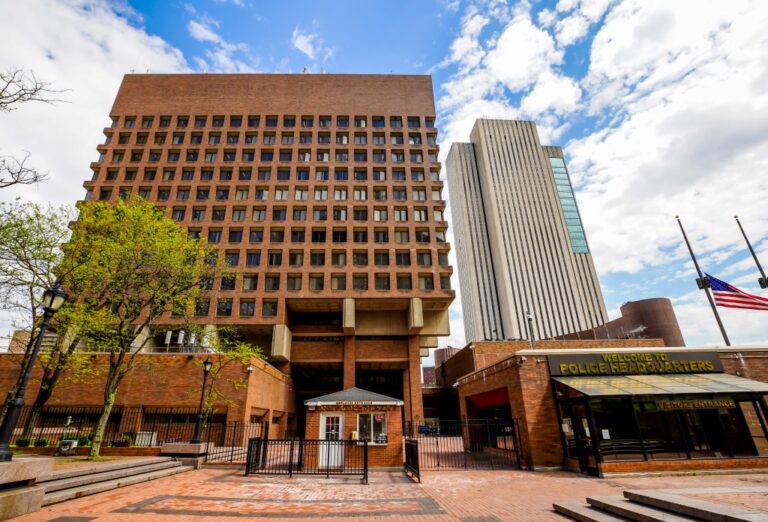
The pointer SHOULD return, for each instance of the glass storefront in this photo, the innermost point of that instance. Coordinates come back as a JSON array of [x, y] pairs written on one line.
[[598, 427]]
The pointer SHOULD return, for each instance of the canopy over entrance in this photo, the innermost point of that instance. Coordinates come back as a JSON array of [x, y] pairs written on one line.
[[688, 384]]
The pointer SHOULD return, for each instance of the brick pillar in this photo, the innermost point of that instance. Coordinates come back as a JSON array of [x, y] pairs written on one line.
[[350, 358], [413, 401]]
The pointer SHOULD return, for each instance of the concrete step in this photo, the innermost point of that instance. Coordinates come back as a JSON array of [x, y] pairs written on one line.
[[83, 480], [585, 513], [635, 511], [76, 471], [698, 509], [99, 487]]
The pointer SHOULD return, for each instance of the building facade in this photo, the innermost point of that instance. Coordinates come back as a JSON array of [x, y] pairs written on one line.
[[323, 193], [520, 242]]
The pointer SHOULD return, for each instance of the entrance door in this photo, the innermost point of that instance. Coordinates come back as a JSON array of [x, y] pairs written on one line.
[[585, 439], [331, 429]]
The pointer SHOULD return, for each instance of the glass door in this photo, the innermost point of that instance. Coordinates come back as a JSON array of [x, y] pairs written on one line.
[[585, 439]]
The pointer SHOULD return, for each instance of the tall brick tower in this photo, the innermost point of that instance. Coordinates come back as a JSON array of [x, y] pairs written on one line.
[[323, 193]]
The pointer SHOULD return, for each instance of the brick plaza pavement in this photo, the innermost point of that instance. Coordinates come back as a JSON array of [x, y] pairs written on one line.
[[463, 496]]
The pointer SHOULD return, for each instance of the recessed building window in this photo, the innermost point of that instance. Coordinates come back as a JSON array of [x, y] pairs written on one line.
[[269, 308], [224, 307], [360, 282], [247, 307]]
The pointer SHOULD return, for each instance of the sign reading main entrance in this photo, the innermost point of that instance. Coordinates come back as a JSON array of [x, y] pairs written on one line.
[[634, 363]]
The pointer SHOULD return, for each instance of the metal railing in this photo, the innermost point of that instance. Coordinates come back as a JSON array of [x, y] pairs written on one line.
[[466, 444], [139, 426], [229, 442], [412, 458], [307, 457]]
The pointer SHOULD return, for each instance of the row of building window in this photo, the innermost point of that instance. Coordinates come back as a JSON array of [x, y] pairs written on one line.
[[265, 155], [338, 258], [381, 215], [271, 138], [288, 121], [265, 174], [279, 194], [300, 235], [316, 282]]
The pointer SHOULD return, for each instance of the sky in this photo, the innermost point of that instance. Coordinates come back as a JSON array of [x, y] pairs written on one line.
[[661, 107]]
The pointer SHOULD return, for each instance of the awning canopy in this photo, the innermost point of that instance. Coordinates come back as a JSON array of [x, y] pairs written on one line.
[[678, 384]]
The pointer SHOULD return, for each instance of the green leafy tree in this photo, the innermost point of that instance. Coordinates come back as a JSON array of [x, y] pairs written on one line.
[[128, 265], [31, 238]]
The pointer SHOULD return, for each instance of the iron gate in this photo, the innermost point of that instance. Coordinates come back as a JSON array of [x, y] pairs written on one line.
[[468, 444], [307, 457]]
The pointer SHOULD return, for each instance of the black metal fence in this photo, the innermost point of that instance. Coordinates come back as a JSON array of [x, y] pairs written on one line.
[[307, 457], [466, 444], [229, 442], [412, 458], [140, 426]]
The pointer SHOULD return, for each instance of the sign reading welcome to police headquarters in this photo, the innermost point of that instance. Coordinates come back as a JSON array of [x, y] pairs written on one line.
[[634, 363]]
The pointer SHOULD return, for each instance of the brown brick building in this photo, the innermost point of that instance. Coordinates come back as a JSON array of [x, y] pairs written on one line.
[[324, 195]]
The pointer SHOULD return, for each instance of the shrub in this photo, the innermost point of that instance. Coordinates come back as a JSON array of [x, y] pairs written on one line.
[[41, 443], [85, 440], [22, 442]]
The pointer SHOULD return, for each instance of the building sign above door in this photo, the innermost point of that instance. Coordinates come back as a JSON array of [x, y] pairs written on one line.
[[695, 404], [634, 363]]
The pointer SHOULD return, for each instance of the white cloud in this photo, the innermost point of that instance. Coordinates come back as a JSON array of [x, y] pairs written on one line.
[[522, 53], [566, 5], [552, 92], [221, 56], [201, 31], [311, 45], [571, 29], [239, 3]]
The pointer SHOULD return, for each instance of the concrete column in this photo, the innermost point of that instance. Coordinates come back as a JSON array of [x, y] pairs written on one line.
[[414, 404], [350, 358]]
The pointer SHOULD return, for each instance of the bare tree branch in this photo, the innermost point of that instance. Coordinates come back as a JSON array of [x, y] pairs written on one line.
[[17, 87], [16, 172]]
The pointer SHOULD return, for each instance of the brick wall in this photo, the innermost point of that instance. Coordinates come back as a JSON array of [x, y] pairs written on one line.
[[165, 381]]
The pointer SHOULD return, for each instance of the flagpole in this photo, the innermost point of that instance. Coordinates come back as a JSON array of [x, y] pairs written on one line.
[[763, 281], [703, 284]]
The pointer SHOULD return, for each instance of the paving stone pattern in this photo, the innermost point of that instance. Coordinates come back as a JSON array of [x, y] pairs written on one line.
[[461, 496]]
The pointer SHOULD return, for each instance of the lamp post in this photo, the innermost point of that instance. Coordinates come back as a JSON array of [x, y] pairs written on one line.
[[197, 439], [529, 323], [52, 300]]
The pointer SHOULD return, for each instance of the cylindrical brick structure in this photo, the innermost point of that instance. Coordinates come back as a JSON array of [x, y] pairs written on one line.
[[658, 316]]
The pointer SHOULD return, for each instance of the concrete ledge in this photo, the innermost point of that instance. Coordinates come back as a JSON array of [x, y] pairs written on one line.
[[25, 469], [20, 501], [185, 448]]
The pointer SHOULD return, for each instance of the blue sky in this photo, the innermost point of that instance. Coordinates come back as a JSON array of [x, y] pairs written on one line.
[[661, 107]]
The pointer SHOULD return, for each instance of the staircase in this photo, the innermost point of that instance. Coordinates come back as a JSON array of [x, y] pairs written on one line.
[[67, 484], [654, 506]]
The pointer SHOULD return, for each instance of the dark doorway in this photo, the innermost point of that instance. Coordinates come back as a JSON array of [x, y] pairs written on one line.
[[385, 382], [308, 383]]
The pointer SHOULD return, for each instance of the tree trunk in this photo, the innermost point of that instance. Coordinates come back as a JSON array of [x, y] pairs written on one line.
[[35, 410], [102, 425]]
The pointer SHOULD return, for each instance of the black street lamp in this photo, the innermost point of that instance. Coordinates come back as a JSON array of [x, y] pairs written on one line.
[[52, 301], [197, 439]]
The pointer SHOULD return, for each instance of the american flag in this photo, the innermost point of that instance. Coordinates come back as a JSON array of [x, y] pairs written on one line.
[[731, 297]]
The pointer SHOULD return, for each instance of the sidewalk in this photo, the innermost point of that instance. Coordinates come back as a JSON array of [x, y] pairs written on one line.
[[464, 496]]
